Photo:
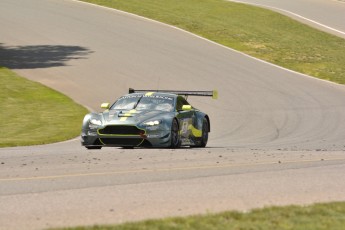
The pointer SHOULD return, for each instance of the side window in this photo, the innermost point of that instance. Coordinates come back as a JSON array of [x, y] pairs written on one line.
[[180, 102]]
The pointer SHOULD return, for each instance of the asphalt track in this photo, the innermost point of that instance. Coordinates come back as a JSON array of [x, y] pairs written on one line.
[[278, 137], [326, 15]]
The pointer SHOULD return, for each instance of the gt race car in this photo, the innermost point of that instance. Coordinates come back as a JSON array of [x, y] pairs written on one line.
[[148, 118]]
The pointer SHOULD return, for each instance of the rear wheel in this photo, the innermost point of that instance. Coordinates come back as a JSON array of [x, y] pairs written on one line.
[[175, 135]]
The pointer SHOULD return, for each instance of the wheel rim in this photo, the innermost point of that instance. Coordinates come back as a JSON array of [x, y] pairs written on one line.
[[174, 134]]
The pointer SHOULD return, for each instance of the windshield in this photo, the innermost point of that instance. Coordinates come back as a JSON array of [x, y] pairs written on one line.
[[144, 102]]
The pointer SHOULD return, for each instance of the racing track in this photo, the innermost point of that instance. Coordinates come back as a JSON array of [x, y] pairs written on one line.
[[326, 15], [277, 136]]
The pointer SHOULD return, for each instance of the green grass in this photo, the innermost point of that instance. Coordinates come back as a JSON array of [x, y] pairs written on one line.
[[314, 217], [32, 114], [258, 32]]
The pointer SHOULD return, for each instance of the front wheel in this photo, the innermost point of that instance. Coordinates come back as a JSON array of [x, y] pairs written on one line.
[[175, 135], [93, 147], [204, 135]]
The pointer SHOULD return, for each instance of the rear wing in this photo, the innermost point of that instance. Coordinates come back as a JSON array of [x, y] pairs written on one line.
[[213, 94]]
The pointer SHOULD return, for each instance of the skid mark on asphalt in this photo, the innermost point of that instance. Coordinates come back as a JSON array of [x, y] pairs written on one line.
[[162, 170]]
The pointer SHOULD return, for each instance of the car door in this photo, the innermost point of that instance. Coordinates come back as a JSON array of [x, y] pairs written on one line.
[[186, 116]]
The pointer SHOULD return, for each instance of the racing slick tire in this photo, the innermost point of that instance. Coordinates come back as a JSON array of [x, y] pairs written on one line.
[[175, 135], [204, 135], [93, 147]]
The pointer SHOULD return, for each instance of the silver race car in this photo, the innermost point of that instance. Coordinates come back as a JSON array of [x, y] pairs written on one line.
[[148, 118]]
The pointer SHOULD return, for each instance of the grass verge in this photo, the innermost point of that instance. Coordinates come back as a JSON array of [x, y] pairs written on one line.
[[258, 32], [33, 114], [314, 217]]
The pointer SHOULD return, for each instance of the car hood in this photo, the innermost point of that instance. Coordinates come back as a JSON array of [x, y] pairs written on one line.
[[131, 116]]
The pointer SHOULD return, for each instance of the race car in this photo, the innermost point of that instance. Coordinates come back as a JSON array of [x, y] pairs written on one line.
[[148, 118]]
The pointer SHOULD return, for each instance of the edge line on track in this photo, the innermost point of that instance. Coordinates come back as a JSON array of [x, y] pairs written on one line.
[[292, 13]]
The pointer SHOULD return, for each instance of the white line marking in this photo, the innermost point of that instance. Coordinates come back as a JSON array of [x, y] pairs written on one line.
[[294, 14]]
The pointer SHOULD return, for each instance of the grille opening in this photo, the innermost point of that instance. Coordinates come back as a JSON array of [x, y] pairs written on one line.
[[121, 130]]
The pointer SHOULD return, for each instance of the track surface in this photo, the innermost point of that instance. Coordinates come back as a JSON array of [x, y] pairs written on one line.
[[277, 136], [326, 15]]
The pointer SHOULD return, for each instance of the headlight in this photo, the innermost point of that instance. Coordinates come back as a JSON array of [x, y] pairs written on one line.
[[96, 122], [152, 123]]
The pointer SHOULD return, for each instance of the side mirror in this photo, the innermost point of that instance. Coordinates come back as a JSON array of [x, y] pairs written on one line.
[[105, 105], [186, 107]]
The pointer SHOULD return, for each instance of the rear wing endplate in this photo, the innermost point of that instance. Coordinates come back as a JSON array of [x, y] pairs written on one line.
[[213, 94]]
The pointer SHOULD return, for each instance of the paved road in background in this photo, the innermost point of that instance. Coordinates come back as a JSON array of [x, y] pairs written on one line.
[[327, 15], [277, 136]]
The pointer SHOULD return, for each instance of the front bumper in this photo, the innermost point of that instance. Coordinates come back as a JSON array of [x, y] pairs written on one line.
[[125, 136]]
